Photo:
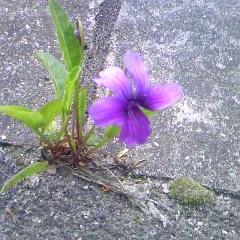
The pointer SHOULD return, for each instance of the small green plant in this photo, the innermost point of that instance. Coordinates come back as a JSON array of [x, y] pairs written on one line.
[[190, 192], [124, 112], [34, 168], [66, 83]]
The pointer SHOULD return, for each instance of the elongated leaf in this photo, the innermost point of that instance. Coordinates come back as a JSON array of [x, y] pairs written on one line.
[[49, 111], [34, 120], [26, 172], [109, 133], [56, 70], [68, 42], [69, 89], [82, 105], [51, 132], [92, 140], [31, 119]]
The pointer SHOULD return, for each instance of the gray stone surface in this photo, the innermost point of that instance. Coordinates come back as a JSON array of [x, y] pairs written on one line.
[[49, 207], [195, 43]]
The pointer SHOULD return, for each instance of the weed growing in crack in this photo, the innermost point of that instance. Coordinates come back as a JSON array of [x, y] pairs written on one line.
[[61, 125]]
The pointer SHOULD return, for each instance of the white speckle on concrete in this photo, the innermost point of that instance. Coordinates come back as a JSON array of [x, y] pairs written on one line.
[[165, 188], [186, 112], [220, 66], [73, 183], [27, 27], [3, 137]]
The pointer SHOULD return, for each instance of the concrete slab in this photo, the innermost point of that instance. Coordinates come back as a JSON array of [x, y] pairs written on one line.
[[63, 206], [194, 43]]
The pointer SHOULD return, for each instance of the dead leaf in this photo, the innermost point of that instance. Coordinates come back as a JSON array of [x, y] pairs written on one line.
[[122, 153], [82, 164], [8, 211], [105, 189]]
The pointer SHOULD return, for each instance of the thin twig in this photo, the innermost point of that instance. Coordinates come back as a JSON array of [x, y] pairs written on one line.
[[97, 181], [116, 177]]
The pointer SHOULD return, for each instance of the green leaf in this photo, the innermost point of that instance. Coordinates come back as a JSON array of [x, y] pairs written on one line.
[[82, 105], [31, 119], [90, 137], [34, 120], [26, 172], [56, 70], [92, 140], [51, 133], [68, 42], [49, 111], [147, 112], [109, 133], [71, 82]]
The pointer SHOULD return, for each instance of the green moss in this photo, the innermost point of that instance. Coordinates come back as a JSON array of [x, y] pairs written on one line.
[[190, 192]]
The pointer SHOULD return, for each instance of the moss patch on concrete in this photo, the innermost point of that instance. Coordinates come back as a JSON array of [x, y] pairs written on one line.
[[189, 192]]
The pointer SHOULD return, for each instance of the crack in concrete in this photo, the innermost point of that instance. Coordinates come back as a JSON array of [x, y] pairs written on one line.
[[96, 56], [217, 191]]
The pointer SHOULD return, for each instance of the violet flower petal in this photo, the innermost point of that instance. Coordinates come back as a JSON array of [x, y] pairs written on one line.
[[115, 79], [160, 96], [136, 67], [136, 128], [108, 111]]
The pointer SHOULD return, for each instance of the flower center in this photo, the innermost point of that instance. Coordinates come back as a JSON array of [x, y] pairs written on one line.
[[132, 108]]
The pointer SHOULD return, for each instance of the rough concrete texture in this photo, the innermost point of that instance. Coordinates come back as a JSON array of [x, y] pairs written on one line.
[[195, 43]]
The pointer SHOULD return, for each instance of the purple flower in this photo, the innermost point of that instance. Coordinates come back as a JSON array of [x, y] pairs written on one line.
[[123, 109]]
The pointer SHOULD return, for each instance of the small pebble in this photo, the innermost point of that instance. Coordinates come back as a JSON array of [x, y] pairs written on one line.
[[224, 232], [27, 27], [75, 234], [220, 66], [4, 137], [165, 188], [73, 183], [33, 181]]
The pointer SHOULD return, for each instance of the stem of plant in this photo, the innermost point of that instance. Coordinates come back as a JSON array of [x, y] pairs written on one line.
[[99, 145], [41, 136], [73, 124], [70, 142], [85, 139], [76, 109]]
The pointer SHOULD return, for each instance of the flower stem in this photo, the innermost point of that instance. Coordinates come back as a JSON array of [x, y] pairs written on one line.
[[76, 109], [70, 141], [73, 123], [85, 139]]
